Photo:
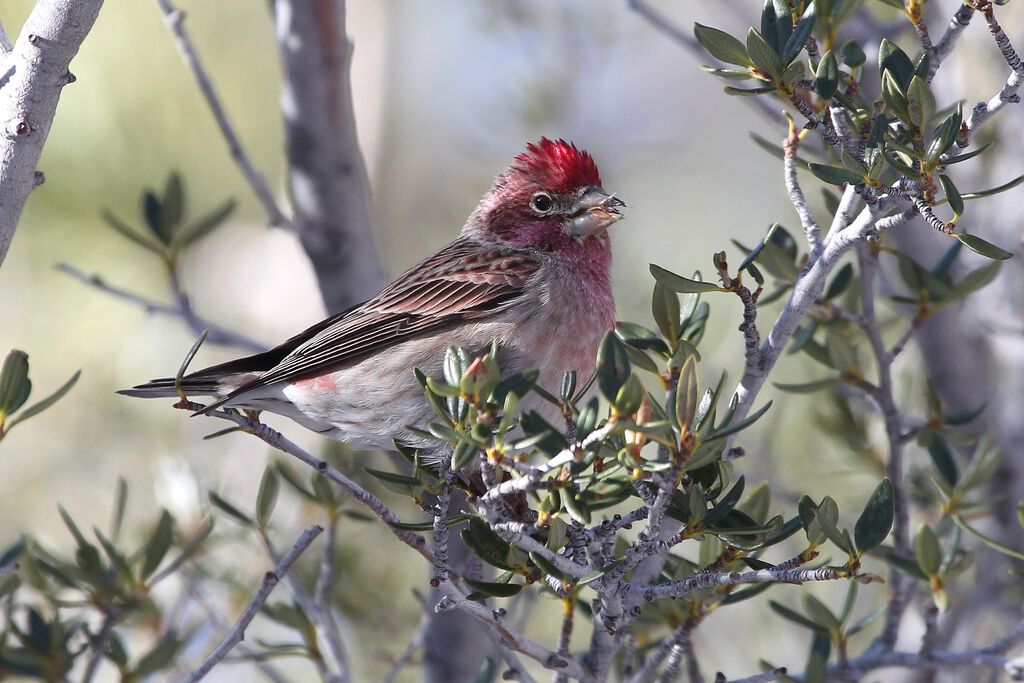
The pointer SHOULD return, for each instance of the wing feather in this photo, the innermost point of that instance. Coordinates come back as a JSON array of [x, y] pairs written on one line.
[[464, 281]]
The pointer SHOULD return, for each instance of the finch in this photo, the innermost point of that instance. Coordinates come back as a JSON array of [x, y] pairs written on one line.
[[530, 269]]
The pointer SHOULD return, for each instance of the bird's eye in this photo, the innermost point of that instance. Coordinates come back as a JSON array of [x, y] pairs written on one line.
[[541, 202]]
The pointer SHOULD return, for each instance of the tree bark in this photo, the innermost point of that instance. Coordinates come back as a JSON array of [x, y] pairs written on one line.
[[32, 74], [327, 178]]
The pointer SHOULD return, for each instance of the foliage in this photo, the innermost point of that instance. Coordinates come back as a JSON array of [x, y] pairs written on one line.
[[634, 513]]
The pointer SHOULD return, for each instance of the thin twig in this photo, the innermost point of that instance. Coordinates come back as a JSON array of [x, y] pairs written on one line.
[[174, 18], [322, 601], [662, 23], [5, 43], [901, 589], [99, 644], [766, 677], [217, 334], [270, 581]]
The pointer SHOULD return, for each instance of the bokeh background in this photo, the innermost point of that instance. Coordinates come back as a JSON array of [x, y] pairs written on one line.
[[446, 93]]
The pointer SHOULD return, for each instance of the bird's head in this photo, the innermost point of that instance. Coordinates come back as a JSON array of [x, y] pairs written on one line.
[[550, 198]]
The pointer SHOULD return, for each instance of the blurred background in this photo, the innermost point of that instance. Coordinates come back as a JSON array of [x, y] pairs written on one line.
[[446, 93]]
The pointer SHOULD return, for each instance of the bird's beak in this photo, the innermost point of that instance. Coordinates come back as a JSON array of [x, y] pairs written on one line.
[[593, 213]]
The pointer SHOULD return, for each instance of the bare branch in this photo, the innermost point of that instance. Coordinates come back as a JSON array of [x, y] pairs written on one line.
[[322, 602], [511, 638], [98, 644], [766, 677], [327, 180], [1008, 94], [270, 581], [961, 18], [5, 42], [217, 334], [676, 589], [663, 24], [174, 18], [35, 71], [283, 444], [901, 588]]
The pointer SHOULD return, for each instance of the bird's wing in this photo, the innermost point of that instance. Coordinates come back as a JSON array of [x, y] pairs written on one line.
[[463, 281]]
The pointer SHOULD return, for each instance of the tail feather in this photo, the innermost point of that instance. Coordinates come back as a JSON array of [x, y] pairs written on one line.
[[164, 387]]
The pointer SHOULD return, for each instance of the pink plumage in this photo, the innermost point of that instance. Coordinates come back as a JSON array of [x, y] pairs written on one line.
[[530, 269]]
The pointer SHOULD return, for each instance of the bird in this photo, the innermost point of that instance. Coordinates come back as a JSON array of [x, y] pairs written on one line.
[[530, 269]]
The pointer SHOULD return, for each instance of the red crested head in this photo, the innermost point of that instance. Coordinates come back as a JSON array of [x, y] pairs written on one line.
[[550, 198], [557, 165]]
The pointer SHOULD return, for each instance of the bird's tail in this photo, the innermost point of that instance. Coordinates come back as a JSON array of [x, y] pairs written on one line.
[[164, 388]]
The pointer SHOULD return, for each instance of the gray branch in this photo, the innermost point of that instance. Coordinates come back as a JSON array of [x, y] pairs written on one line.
[[33, 72], [174, 18], [326, 175], [270, 581]]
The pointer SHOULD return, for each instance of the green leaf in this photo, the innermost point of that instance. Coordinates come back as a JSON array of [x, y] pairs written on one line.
[[976, 279], [728, 74], [665, 308], [986, 249], [266, 498], [748, 92], [995, 190], [152, 211], [990, 542], [821, 615], [678, 283], [840, 282], [686, 395], [721, 45], [612, 366], [494, 589], [720, 432], [205, 225], [852, 53], [796, 617], [920, 102], [801, 32], [894, 60], [120, 227], [826, 77], [224, 506], [763, 55], [893, 96], [399, 483], [158, 544], [808, 387], [956, 202], [173, 203], [967, 156], [927, 551], [158, 658], [490, 547], [942, 457], [875, 521], [835, 175], [15, 385], [39, 407]]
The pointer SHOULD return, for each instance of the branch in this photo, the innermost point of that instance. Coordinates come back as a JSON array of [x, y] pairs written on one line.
[[270, 581], [321, 600], [961, 18], [677, 589], [174, 18], [183, 310], [283, 444], [983, 110], [510, 638], [327, 178], [901, 587], [5, 42], [766, 677], [35, 70], [662, 23], [99, 644]]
